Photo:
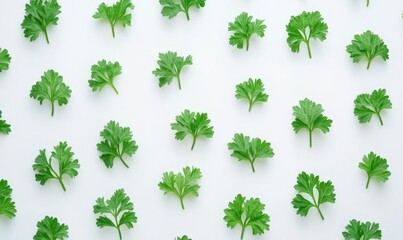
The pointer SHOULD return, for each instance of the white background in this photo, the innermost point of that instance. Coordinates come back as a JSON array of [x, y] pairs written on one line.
[[330, 78]]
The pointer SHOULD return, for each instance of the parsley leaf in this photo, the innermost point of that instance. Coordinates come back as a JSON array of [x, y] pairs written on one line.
[[306, 185], [309, 115], [4, 60], [51, 88], [194, 124], [115, 14], [248, 214], [50, 229], [375, 167], [183, 238], [170, 66], [181, 184], [367, 45], [244, 28], [357, 230], [117, 142], [44, 168], [39, 14], [303, 28], [4, 126], [104, 73], [246, 149], [119, 207], [171, 8], [7, 206], [367, 105], [252, 90]]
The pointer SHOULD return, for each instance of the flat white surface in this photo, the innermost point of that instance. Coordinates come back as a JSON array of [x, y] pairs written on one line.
[[330, 78]]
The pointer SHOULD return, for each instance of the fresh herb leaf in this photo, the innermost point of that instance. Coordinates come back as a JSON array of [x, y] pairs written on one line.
[[367, 45], [118, 141], [39, 14], [309, 115], [303, 28], [308, 185], [115, 14], [5, 128], [7, 206], [375, 167], [194, 124], [170, 66], [4, 60], [181, 184], [252, 90], [104, 73], [50, 229], [246, 149], [115, 212], [51, 88], [171, 8], [183, 238], [357, 230], [367, 105], [244, 28], [44, 168], [247, 214]]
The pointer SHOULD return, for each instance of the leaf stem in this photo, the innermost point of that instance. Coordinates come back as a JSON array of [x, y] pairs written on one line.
[[182, 205], [117, 226], [367, 3], [46, 35], [194, 142], [366, 186], [123, 161], [252, 162], [247, 44], [243, 231], [187, 14], [380, 118], [114, 88], [53, 108], [310, 138], [113, 29], [250, 105], [179, 81], [317, 206], [369, 62], [61, 183], [309, 49]]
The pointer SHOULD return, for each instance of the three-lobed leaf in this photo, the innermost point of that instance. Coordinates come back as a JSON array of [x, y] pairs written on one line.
[[243, 28], [171, 8], [104, 73], [309, 115], [170, 67], [367, 105], [45, 169], [251, 90], [367, 45], [247, 213], [5, 59], [357, 230], [246, 149], [51, 88], [7, 206], [318, 191], [194, 124], [39, 14], [117, 142], [50, 229], [5, 128], [181, 184], [304, 27], [115, 212], [115, 14], [375, 167]]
